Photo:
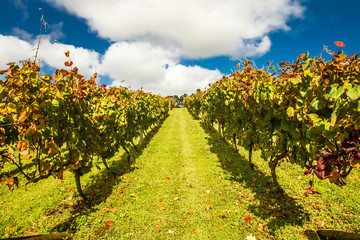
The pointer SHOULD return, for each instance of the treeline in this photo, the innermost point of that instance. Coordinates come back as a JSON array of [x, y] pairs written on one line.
[[307, 113], [53, 124]]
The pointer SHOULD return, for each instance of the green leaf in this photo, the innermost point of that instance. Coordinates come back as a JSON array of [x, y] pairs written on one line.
[[335, 92], [353, 92], [305, 65], [11, 108], [295, 81], [290, 111], [317, 104], [55, 103]]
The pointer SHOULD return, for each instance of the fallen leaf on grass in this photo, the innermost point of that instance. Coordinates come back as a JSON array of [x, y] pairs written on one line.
[[167, 178], [109, 223], [162, 208], [160, 200], [191, 213], [158, 227], [209, 207], [253, 179], [114, 209], [248, 219], [71, 190], [133, 195]]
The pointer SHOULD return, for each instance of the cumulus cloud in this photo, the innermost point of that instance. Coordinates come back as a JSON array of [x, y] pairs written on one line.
[[14, 49], [202, 28], [185, 79], [137, 62], [149, 38], [154, 68], [140, 64], [51, 54]]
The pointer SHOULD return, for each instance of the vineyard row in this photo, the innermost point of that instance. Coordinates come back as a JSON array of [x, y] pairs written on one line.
[[51, 124], [307, 113]]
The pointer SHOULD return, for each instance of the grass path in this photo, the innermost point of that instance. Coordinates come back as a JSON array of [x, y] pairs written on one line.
[[184, 184], [177, 190]]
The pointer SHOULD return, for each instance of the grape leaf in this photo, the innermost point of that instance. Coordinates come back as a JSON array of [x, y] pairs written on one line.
[[353, 92]]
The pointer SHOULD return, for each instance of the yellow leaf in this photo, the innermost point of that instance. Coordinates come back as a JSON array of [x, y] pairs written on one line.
[[162, 208]]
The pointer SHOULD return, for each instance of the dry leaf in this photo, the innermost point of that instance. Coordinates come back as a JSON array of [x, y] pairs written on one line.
[[248, 219], [109, 223]]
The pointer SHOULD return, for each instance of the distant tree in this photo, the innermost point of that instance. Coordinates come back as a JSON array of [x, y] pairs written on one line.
[[179, 101]]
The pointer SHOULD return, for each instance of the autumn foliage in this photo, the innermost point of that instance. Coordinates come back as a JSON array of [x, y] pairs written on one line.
[[302, 112], [64, 122]]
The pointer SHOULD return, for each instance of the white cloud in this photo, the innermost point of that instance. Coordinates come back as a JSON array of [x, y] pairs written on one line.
[[137, 62], [154, 68], [150, 37], [52, 54], [180, 79], [14, 49], [201, 28]]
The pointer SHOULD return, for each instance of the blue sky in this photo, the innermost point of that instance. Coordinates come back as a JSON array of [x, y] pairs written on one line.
[[173, 47]]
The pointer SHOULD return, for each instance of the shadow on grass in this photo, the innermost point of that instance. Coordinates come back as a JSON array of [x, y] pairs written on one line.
[[102, 186], [15, 171], [279, 209]]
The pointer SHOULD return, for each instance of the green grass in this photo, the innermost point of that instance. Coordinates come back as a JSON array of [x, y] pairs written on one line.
[[184, 184]]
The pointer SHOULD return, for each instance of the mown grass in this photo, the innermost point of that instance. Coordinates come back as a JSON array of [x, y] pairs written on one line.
[[185, 184]]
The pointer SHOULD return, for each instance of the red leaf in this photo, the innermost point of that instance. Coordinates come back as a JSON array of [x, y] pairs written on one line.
[[307, 172], [109, 223], [339, 44], [248, 219], [71, 190], [167, 178]]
